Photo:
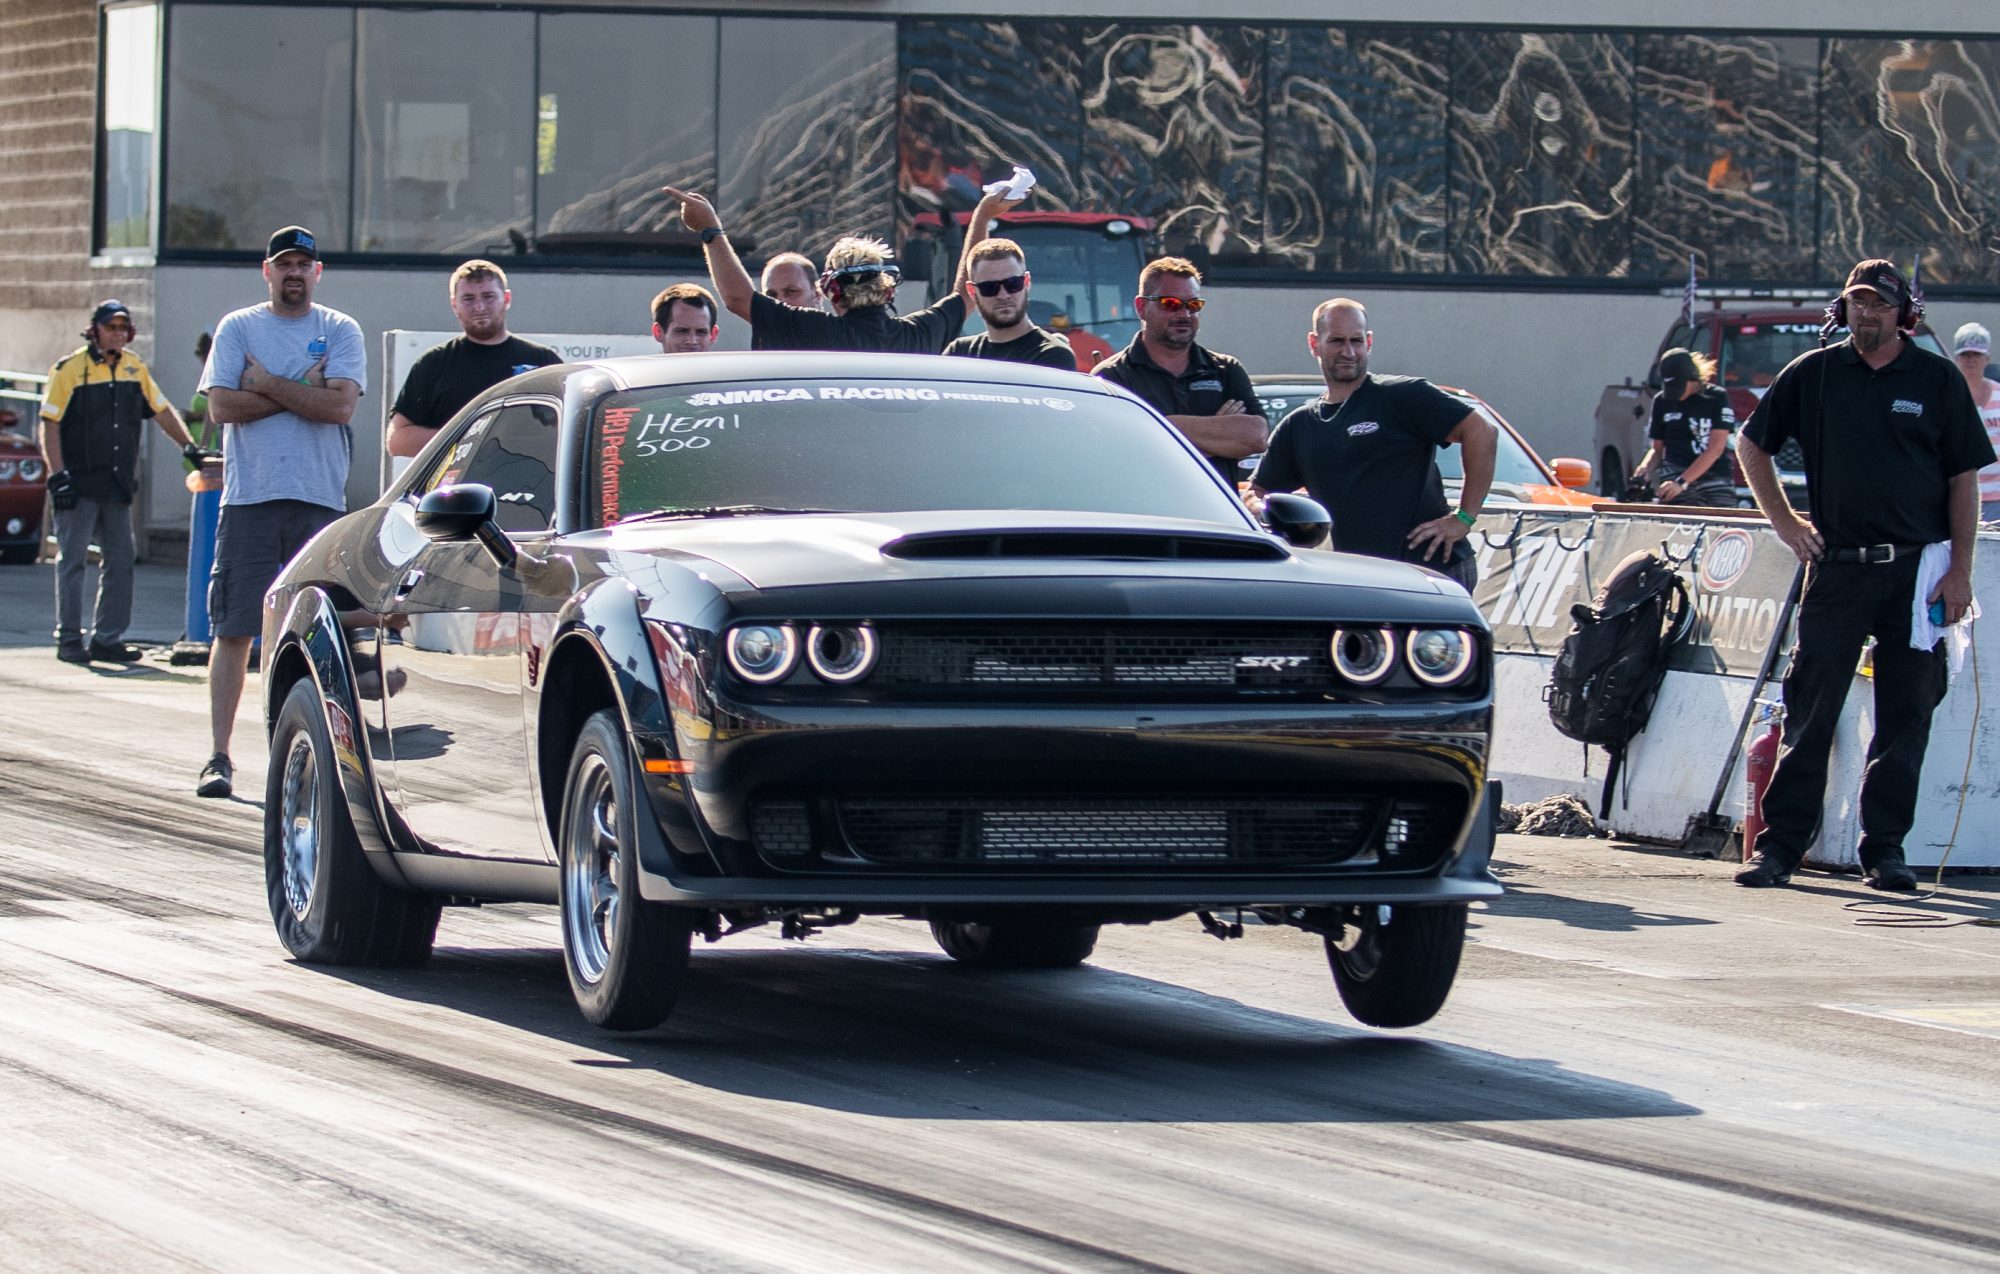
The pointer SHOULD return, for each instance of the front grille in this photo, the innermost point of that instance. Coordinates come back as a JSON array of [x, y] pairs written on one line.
[[1086, 657], [1109, 833]]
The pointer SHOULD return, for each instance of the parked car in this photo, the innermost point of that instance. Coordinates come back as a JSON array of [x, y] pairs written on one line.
[[1520, 476], [1750, 345], [686, 645], [24, 487]]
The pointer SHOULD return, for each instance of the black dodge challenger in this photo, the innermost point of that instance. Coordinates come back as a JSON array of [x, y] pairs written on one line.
[[689, 644]]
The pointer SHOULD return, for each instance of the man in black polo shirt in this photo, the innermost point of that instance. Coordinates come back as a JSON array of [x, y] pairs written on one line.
[[450, 375], [859, 284], [1205, 395], [999, 289], [1893, 448], [1367, 450]]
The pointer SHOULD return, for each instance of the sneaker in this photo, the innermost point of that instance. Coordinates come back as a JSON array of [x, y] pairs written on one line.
[[72, 652], [115, 652], [1765, 871], [1892, 874], [216, 776]]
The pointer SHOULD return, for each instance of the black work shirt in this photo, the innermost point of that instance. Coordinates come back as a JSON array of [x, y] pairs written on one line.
[[1372, 461], [1685, 426], [98, 405], [868, 328], [1881, 447], [1042, 348], [452, 374], [1210, 380]]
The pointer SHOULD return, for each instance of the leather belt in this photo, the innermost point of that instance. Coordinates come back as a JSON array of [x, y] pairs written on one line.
[[1873, 554]]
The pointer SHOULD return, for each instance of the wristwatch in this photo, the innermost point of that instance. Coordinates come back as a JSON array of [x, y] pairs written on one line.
[[710, 235], [1470, 519]]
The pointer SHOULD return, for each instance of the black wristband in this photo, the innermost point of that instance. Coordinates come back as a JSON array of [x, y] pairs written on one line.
[[710, 235]]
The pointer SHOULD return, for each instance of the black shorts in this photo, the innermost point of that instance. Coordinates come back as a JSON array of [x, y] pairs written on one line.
[[252, 544]]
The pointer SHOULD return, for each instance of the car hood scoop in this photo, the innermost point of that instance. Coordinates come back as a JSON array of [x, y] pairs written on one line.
[[1096, 543]]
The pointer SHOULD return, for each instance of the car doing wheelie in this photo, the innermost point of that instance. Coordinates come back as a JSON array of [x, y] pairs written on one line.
[[684, 646]]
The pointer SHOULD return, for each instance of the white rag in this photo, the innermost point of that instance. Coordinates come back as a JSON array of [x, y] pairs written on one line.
[[1923, 633], [1015, 187]]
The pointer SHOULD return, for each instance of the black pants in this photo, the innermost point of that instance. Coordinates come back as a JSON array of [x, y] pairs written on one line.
[[1845, 603]]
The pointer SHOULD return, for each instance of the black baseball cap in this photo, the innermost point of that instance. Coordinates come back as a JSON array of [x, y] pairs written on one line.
[[108, 310], [1881, 277], [1679, 364], [292, 239]]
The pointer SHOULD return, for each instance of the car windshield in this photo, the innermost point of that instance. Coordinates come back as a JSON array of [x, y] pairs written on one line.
[[1754, 353], [888, 445], [1083, 278]]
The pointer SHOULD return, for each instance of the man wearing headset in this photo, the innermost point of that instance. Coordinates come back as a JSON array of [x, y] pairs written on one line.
[[1893, 448], [859, 284], [1205, 395]]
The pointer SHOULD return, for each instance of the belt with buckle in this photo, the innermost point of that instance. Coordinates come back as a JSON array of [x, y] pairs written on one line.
[[1873, 554]]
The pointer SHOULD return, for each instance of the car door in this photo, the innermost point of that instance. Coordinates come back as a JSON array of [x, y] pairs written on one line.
[[453, 650]]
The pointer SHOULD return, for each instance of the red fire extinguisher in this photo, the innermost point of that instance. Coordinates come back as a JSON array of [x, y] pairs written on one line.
[[1757, 766]]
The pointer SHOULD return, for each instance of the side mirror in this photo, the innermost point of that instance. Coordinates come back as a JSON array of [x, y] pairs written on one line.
[[1299, 522], [464, 511], [1572, 473]]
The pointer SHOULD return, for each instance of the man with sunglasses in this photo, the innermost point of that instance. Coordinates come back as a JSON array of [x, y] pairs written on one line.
[[1205, 395], [93, 416], [859, 284], [999, 289]]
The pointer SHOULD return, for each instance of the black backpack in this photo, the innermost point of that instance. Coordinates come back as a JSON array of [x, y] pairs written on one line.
[[1609, 668]]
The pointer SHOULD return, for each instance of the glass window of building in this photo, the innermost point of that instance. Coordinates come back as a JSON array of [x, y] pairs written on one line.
[[444, 131], [626, 104], [1728, 156], [129, 98], [258, 109], [1541, 137], [806, 132]]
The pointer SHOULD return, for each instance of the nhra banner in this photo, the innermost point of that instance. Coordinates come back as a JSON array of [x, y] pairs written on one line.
[[1534, 565]]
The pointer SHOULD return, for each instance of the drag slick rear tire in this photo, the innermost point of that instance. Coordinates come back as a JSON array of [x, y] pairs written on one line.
[[627, 957], [328, 904], [1398, 973], [1027, 941]]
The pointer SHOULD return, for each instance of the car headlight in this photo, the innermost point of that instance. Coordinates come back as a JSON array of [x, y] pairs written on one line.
[[840, 653], [32, 470], [6, 469], [1440, 656], [763, 653], [1364, 656]]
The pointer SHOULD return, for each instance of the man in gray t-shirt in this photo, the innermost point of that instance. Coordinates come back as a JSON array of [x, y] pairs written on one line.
[[283, 379]]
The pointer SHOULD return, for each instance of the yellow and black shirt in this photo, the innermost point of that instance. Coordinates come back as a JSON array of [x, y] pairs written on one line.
[[101, 407]]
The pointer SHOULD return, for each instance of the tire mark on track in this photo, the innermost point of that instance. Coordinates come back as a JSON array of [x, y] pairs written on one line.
[[1067, 1253]]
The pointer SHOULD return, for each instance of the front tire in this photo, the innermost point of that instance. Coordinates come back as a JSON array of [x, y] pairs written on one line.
[[627, 957], [328, 904], [1397, 974], [1020, 942]]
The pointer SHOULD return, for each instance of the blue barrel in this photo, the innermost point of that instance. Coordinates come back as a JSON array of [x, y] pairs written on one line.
[[202, 522]]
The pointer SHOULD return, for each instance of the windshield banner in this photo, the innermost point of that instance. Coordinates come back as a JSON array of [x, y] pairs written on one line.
[[1534, 566]]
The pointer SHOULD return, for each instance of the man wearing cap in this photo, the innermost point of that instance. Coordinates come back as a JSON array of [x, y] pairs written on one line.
[[283, 379], [1969, 348], [859, 284], [93, 413], [1893, 449], [451, 374], [1690, 429]]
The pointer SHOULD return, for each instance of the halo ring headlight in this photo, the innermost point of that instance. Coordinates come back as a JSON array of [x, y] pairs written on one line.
[[841, 653], [762, 653], [1364, 656], [32, 470], [1440, 656]]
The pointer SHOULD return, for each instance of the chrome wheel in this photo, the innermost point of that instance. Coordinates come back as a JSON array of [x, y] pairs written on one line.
[[299, 824], [590, 869]]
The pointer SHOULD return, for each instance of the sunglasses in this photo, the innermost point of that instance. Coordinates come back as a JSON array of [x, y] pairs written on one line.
[[994, 287], [1174, 305]]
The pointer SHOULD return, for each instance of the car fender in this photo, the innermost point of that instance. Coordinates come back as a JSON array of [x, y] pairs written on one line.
[[311, 628]]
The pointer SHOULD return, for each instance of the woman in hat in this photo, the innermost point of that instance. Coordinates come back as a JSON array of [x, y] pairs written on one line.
[[1969, 348], [1690, 433]]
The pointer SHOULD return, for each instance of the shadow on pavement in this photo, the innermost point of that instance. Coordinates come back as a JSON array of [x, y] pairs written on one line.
[[905, 1035], [1582, 913]]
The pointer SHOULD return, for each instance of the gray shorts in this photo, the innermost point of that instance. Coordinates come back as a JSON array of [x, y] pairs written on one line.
[[252, 544]]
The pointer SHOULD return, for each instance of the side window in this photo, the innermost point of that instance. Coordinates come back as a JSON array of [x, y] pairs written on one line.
[[512, 450]]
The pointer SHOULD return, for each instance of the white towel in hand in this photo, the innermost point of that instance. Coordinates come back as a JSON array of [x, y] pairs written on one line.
[[1923, 633], [1015, 187]]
